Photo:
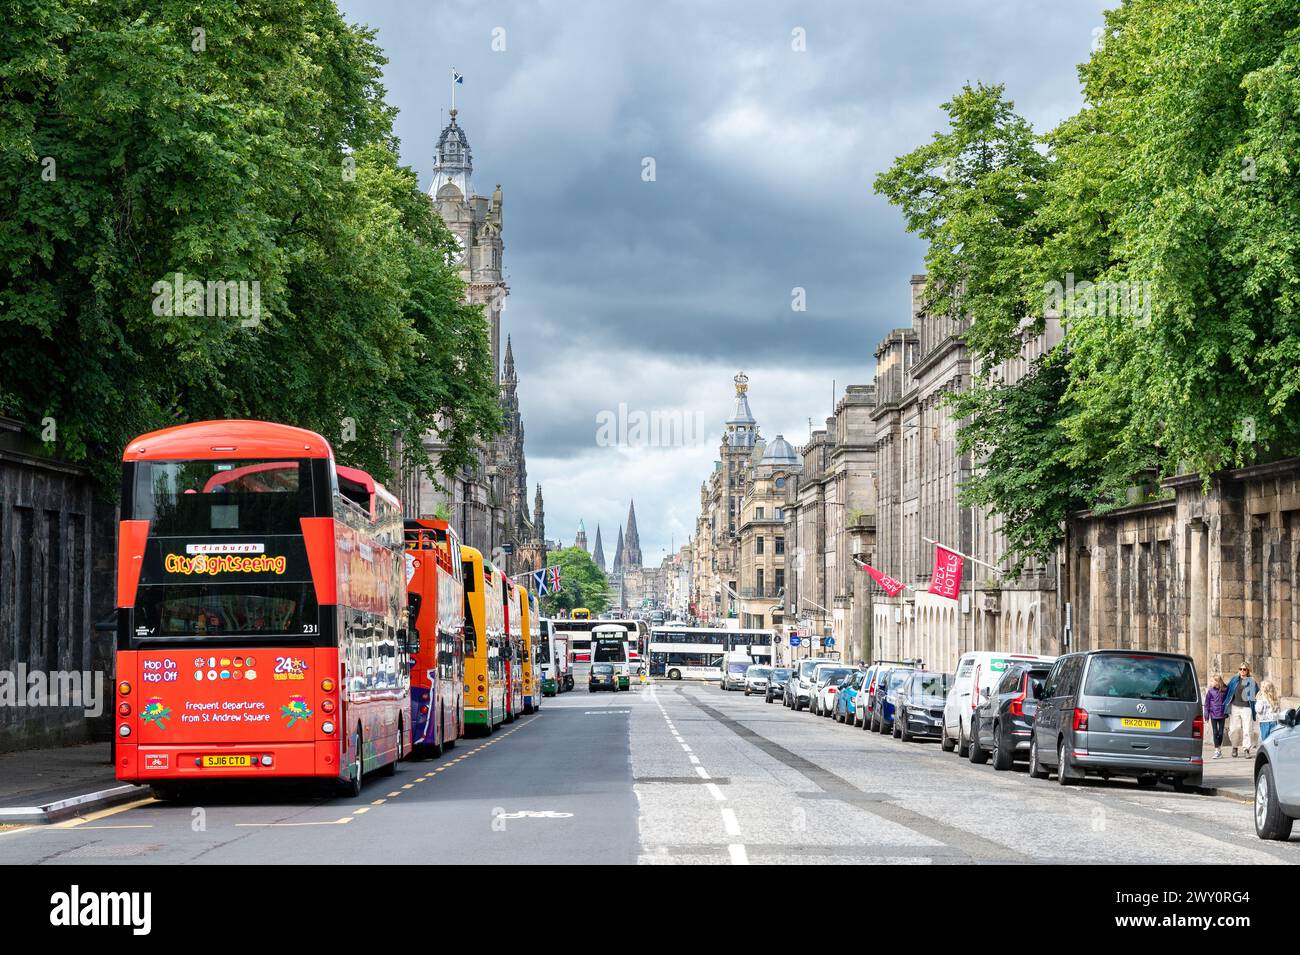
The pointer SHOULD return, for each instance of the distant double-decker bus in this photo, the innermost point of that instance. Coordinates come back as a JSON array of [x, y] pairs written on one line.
[[435, 594], [485, 673], [579, 634], [698, 653], [261, 611]]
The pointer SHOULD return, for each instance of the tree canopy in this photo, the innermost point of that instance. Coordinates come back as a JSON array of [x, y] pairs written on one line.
[[222, 141], [1170, 204], [582, 583]]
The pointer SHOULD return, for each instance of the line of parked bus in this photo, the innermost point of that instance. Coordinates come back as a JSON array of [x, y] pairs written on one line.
[[277, 618]]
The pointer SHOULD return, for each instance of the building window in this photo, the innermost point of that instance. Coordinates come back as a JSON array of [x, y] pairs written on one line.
[[778, 579], [780, 545], [758, 545], [780, 514], [758, 582], [780, 482], [758, 513]]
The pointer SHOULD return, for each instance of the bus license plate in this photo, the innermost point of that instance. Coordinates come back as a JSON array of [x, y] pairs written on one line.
[[223, 762], [1129, 723]]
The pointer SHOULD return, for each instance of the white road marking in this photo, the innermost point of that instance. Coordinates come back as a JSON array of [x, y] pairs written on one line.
[[730, 822], [738, 855], [699, 771], [715, 791]]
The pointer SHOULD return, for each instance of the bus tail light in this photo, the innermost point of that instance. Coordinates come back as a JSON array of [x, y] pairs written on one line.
[[124, 730], [327, 706], [327, 685], [124, 709], [124, 688], [327, 727]]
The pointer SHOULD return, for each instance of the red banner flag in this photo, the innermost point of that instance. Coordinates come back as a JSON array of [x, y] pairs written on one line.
[[892, 586], [946, 579]]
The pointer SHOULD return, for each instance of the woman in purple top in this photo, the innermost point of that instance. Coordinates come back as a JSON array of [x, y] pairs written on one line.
[[1216, 711]]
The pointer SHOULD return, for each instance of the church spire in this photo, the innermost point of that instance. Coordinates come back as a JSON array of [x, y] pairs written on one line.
[[581, 539], [632, 545], [539, 521], [598, 554], [618, 553], [510, 359]]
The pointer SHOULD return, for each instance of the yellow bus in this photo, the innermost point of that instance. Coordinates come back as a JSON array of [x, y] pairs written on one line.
[[580, 613], [485, 673], [532, 637]]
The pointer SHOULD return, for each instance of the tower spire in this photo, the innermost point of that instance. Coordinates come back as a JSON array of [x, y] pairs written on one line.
[[598, 554], [632, 542]]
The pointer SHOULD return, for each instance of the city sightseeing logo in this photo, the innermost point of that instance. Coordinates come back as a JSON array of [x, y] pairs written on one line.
[[296, 709], [214, 564], [155, 712]]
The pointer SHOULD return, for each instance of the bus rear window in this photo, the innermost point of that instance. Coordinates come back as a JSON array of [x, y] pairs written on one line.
[[226, 610], [196, 498]]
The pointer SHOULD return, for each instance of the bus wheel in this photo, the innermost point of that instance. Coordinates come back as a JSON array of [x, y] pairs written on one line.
[[351, 787], [437, 748], [674, 674]]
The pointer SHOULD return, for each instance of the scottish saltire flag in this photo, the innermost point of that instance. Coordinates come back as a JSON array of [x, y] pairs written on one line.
[[458, 78], [539, 582]]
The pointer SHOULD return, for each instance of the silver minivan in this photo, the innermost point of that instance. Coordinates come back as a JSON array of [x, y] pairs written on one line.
[[1120, 713]]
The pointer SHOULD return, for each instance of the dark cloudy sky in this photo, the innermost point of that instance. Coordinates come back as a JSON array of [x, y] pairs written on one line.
[[654, 294]]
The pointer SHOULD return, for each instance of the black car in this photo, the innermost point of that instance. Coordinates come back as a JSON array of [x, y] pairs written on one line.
[[776, 683], [918, 710], [602, 678], [1004, 720]]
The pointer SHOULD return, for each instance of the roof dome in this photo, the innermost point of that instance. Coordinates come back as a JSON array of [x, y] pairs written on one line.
[[780, 452]]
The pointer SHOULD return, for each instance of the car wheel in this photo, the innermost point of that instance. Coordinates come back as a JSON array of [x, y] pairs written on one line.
[[963, 744], [946, 742], [903, 733], [1036, 769], [1066, 774], [975, 752], [1270, 822], [1002, 758], [1148, 781], [1186, 784]]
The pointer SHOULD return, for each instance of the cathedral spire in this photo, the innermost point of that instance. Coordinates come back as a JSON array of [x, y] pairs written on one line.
[[539, 521], [618, 553], [598, 554], [581, 539], [632, 545], [510, 359]]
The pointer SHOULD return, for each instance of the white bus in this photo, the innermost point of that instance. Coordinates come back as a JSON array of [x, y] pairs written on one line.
[[553, 656], [697, 653], [609, 644], [579, 634]]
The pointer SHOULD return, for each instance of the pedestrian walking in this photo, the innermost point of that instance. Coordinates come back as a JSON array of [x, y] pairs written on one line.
[[1267, 706], [1216, 710], [1242, 690]]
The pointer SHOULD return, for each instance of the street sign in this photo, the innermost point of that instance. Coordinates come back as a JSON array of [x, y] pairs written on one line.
[[777, 640], [795, 641], [828, 641]]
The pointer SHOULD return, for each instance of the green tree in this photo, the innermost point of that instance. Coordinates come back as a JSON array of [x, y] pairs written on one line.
[[223, 140], [582, 583]]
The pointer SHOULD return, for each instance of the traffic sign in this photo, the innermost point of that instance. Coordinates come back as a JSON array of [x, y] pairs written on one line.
[[795, 641], [828, 641]]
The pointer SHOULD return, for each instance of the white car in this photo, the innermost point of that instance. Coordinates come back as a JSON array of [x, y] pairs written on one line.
[[825, 680], [799, 687], [977, 674], [756, 679]]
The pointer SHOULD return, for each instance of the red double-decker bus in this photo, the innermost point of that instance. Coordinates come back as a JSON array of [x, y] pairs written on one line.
[[436, 600], [261, 611]]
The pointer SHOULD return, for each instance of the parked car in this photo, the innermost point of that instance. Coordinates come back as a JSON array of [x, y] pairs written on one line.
[[826, 680], [866, 692], [888, 682], [846, 699], [756, 679], [976, 672], [733, 674], [1277, 779], [776, 683], [1005, 719], [798, 691], [602, 677], [1120, 713], [918, 706]]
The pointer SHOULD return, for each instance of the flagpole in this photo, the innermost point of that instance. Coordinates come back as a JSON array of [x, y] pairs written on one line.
[[453, 87], [864, 565], [974, 560]]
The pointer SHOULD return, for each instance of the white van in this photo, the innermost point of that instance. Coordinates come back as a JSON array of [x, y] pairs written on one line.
[[977, 673]]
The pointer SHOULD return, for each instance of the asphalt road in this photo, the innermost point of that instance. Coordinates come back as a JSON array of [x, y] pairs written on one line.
[[673, 773]]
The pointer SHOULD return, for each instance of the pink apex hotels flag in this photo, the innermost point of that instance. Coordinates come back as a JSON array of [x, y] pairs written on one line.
[[892, 586], [946, 579]]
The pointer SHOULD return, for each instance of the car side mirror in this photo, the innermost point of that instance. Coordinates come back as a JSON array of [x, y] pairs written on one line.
[[984, 693], [1290, 716]]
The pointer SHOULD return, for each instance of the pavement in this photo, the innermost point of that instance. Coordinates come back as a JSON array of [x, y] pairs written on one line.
[[45, 785], [673, 773]]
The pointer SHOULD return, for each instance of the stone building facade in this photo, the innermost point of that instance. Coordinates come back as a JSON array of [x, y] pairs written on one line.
[[1212, 574], [829, 518], [488, 500], [762, 545], [920, 473]]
